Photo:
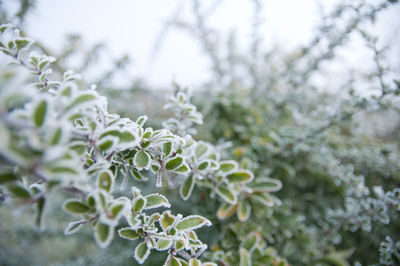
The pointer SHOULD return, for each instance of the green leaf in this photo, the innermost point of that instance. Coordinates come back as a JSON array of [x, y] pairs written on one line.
[[184, 263], [142, 159], [141, 120], [251, 242], [128, 233], [174, 163], [142, 252], [107, 144], [105, 181], [17, 190], [156, 200], [126, 136], [187, 187], [264, 199], [228, 166], [245, 259], [226, 210], [56, 136], [167, 219], [203, 165], [243, 211], [201, 150], [75, 207], [173, 261], [184, 168], [39, 113], [73, 227], [226, 194], [116, 210], [163, 244], [137, 176], [242, 176], [194, 262], [179, 245], [22, 43], [192, 222], [167, 148], [103, 234], [265, 184], [7, 176], [139, 204], [81, 99]]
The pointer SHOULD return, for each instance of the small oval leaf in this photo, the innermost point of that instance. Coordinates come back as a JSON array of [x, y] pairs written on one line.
[[142, 159], [243, 211], [174, 163], [75, 207], [226, 194], [156, 200], [192, 222], [141, 252], [128, 233], [242, 176], [187, 187]]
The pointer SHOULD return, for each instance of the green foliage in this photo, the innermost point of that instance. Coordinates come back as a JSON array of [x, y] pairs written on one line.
[[303, 183]]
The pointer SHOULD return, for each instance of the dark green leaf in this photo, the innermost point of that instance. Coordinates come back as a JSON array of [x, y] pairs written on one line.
[[187, 187]]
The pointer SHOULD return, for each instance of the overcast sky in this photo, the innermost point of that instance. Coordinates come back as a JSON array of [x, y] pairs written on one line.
[[132, 27]]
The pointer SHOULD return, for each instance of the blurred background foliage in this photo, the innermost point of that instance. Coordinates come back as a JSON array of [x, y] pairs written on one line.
[[330, 140]]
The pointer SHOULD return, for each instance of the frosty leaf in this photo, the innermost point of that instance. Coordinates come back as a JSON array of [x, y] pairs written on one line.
[[245, 259], [137, 176], [264, 199], [167, 148], [128, 233], [174, 163], [192, 222], [187, 187], [228, 166], [201, 150], [163, 244], [40, 112], [209, 264], [179, 245], [173, 261], [265, 185], [105, 181], [142, 159], [227, 194], [73, 227], [139, 204], [116, 210], [226, 210], [103, 234], [107, 143], [75, 207], [156, 200], [184, 168], [194, 262], [203, 165], [243, 211], [166, 220], [81, 99], [242, 176], [141, 120], [251, 242], [22, 43], [141, 252]]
